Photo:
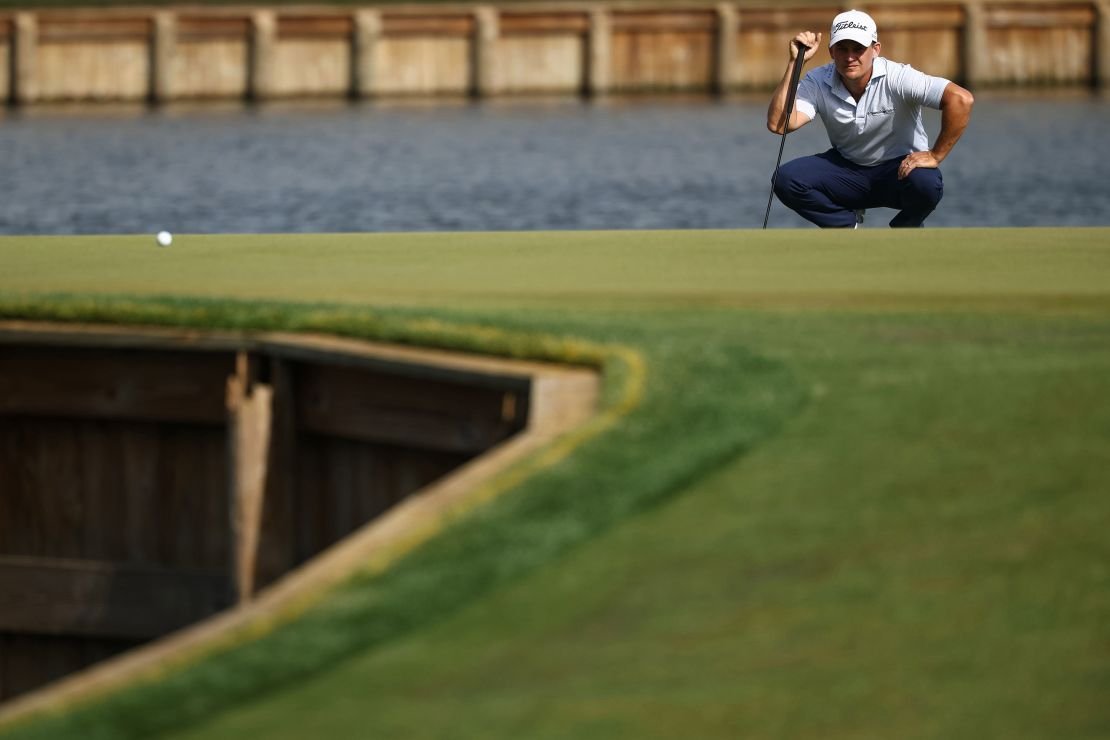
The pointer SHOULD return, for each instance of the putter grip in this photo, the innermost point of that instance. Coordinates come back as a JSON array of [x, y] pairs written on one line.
[[795, 75]]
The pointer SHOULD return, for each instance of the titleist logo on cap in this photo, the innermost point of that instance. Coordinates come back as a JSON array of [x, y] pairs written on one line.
[[850, 24]]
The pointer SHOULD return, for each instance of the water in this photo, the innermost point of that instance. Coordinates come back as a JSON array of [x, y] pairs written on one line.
[[634, 164]]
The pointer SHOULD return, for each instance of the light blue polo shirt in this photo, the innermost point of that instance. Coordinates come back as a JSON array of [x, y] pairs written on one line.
[[886, 123]]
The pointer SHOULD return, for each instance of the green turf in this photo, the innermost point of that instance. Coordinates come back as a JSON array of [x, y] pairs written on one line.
[[863, 495], [949, 269]]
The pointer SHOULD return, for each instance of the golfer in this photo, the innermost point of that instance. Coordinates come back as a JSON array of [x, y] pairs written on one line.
[[871, 108]]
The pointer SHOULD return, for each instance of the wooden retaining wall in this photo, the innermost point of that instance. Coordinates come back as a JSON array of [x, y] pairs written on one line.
[[260, 53], [150, 479]]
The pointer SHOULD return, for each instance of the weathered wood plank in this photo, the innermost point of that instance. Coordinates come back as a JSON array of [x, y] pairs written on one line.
[[332, 25], [347, 402], [664, 21], [29, 661], [129, 491], [412, 362], [100, 599], [84, 28], [928, 40], [544, 23], [663, 60], [212, 28], [1021, 15], [123, 384], [424, 24], [917, 18], [343, 484], [786, 19], [532, 63]]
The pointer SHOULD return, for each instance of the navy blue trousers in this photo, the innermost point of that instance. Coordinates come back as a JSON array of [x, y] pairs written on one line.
[[826, 189]]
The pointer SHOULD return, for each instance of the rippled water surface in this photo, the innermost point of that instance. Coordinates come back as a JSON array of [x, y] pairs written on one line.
[[632, 164]]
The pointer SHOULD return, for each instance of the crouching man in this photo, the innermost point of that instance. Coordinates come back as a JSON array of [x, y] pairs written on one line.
[[871, 108]]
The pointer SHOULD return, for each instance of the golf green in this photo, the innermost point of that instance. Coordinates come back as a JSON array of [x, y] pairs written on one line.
[[861, 494]]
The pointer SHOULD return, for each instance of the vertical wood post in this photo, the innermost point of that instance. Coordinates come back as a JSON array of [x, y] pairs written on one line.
[[23, 78], [163, 44], [279, 549], [249, 405], [367, 32], [1102, 45], [599, 53], [260, 81], [974, 44], [484, 57], [727, 21]]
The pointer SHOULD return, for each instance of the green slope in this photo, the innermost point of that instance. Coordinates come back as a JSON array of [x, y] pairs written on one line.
[[863, 494]]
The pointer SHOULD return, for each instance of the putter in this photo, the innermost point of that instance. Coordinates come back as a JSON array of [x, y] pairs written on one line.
[[795, 74]]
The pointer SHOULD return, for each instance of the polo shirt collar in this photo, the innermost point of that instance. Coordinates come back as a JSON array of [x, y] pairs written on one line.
[[878, 70]]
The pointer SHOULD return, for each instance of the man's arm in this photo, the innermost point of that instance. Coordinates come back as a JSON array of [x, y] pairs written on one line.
[[778, 99], [955, 112]]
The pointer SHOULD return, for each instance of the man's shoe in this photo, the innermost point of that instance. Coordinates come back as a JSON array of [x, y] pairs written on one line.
[[859, 217]]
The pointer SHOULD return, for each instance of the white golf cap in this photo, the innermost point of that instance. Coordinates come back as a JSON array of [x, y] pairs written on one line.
[[856, 26]]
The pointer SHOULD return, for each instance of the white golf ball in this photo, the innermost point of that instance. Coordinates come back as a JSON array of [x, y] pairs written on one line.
[[164, 238]]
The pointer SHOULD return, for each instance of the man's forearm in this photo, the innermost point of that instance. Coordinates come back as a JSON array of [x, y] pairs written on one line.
[[954, 117], [804, 44], [778, 102]]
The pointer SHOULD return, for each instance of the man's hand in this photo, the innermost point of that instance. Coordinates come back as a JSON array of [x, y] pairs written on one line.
[[808, 39], [915, 160]]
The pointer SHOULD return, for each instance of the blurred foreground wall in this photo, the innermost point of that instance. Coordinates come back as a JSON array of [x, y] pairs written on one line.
[[181, 473]]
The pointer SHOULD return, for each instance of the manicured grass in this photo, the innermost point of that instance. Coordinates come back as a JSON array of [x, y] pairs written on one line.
[[944, 269], [863, 494]]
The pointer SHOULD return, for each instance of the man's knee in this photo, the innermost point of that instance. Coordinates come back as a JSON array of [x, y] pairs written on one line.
[[919, 195], [923, 188], [789, 182]]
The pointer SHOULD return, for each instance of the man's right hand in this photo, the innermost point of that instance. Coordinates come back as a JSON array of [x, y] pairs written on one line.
[[776, 122], [808, 39]]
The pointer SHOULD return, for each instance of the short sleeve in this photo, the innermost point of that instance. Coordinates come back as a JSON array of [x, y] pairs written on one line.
[[808, 95], [917, 87]]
